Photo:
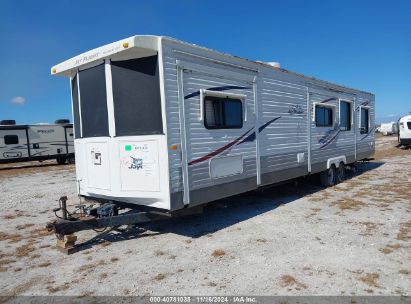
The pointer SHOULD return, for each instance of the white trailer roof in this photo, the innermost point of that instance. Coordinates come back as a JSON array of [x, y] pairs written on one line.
[[118, 49], [145, 45]]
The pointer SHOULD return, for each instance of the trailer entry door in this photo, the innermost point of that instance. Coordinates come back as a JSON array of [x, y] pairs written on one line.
[[220, 139]]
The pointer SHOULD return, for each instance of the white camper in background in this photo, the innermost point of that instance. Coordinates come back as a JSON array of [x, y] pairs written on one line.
[[405, 131], [166, 124], [36, 142], [388, 128]]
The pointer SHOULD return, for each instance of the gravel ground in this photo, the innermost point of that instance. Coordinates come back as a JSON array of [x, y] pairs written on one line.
[[351, 239]]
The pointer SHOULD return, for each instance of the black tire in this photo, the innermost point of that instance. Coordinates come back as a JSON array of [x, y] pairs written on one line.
[[61, 160], [71, 160], [341, 174], [328, 177]]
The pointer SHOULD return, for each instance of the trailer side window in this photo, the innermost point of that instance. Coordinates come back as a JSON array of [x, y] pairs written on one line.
[[93, 102], [223, 113], [364, 121], [11, 139], [345, 116], [323, 116]]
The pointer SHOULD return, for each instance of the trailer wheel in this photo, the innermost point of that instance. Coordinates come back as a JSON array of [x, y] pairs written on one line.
[[71, 160], [61, 160], [328, 177], [341, 172]]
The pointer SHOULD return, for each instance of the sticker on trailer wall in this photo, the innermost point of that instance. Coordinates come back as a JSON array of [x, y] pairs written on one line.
[[96, 157], [138, 158], [136, 164]]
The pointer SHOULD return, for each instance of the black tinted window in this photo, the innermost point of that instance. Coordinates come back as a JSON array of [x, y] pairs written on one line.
[[136, 94], [409, 125], [11, 139], [345, 116], [323, 116], [223, 113], [93, 102], [364, 121], [76, 114]]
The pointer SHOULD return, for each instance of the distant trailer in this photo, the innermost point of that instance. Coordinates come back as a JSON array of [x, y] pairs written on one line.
[[388, 128], [19, 143], [170, 125], [405, 131]]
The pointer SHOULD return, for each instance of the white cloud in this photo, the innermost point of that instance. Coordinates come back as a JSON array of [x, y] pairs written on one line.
[[18, 100]]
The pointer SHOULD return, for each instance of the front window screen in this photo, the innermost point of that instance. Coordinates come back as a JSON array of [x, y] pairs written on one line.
[[345, 116], [93, 102], [76, 114], [223, 113], [323, 116], [364, 121], [11, 140], [136, 94]]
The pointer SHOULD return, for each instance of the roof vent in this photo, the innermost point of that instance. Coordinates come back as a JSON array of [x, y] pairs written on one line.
[[274, 64], [8, 122], [62, 121]]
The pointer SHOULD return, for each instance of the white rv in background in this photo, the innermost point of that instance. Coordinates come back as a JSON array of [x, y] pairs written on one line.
[[36, 142], [405, 130], [166, 124], [388, 128]]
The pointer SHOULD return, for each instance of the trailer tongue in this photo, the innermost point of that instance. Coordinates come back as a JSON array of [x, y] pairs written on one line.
[[107, 215]]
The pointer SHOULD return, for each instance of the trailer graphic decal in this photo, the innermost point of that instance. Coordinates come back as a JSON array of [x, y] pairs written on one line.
[[217, 89], [369, 132], [219, 150], [364, 104], [329, 136], [295, 109], [137, 163], [250, 138], [329, 99]]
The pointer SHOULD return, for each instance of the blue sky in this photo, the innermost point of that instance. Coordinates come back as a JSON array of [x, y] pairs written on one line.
[[360, 44]]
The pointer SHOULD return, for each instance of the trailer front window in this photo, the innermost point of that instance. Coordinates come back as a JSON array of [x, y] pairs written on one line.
[[76, 113], [93, 102], [223, 113], [136, 96]]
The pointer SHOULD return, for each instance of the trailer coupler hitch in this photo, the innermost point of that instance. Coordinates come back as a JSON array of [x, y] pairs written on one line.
[[90, 217]]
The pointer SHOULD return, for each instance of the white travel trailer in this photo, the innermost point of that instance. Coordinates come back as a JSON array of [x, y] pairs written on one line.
[[405, 131], [166, 124], [36, 142], [388, 128]]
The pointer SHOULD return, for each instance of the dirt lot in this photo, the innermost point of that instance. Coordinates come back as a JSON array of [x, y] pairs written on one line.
[[351, 239]]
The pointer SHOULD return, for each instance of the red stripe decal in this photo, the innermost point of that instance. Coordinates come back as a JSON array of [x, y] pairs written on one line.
[[218, 151]]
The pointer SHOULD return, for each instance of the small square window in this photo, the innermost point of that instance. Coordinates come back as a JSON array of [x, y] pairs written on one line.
[[323, 116], [11, 139], [223, 113]]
